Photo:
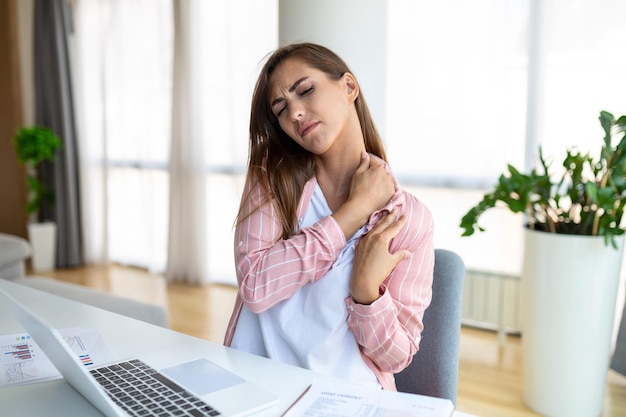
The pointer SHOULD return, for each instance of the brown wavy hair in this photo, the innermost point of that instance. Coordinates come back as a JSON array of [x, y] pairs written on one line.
[[277, 162]]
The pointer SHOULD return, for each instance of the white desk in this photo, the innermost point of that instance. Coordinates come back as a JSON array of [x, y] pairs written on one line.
[[129, 338]]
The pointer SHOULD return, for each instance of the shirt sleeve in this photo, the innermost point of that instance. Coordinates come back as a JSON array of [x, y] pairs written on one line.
[[389, 329], [271, 269]]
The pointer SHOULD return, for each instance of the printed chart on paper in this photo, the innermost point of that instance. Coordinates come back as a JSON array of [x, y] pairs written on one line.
[[22, 361]]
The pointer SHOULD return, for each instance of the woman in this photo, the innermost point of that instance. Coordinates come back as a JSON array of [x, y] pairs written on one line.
[[334, 261]]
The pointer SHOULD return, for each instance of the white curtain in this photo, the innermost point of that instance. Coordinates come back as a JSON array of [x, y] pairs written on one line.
[[456, 113], [164, 89], [457, 110], [236, 36], [475, 85], [217, 61], [186, 256], [124, 62], [460, 106]]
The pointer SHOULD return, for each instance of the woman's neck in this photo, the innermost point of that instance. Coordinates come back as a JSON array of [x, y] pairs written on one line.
[[335, 167], [334, 175]]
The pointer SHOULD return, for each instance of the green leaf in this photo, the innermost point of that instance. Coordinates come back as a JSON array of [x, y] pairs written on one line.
[[606, 120], [34, 145], [592, 192], [587, 197]]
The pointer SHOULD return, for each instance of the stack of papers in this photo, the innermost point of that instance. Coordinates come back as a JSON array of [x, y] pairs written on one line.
[[23, 362], [330, 399]]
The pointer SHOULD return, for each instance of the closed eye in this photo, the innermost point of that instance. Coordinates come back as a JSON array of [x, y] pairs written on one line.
[[278, 106], [303, 93], [307, 91], [280, 111]]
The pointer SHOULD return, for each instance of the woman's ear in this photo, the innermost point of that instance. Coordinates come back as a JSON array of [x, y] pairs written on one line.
[[352, 87]]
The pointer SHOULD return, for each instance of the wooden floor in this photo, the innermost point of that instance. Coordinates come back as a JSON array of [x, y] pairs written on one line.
[[490, 380]]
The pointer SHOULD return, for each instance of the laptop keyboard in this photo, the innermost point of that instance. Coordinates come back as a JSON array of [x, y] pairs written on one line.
[[140, 390]]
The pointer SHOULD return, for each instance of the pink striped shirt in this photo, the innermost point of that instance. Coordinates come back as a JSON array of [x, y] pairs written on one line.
[[271, 269]]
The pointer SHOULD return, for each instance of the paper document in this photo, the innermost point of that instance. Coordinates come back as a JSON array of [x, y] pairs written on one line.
[[328, 399], [23, 362]]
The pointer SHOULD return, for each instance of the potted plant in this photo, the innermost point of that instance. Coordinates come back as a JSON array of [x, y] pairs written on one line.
[[586, 198], [33, 146], [573, 248]]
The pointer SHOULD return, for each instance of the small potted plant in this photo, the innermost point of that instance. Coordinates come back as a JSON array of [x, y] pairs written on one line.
[[33, 146], [574, 239]]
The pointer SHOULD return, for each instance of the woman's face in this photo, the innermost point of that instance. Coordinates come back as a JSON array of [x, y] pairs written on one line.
[[312, 109]]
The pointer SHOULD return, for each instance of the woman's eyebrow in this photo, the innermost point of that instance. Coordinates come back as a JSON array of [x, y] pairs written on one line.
[[291, 90]]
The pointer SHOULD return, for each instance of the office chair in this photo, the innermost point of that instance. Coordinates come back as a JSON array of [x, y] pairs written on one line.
[[434, 370]]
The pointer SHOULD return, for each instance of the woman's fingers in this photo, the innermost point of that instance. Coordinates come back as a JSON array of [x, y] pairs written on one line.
[[372, 186], [389, 226], [373, 262], [364, 164]]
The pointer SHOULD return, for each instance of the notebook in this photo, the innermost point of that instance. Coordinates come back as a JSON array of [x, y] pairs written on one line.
[[200, 387]]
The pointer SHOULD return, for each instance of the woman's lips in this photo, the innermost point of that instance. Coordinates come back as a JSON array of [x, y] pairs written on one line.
[[306, 128]]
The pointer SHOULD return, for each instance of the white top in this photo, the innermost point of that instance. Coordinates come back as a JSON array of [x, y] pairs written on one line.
[[310, 329]]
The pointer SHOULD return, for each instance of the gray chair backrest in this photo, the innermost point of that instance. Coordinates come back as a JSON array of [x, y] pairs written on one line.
[[434, 370]]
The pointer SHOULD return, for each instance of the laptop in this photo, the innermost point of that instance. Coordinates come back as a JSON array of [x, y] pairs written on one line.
[[198, 387]]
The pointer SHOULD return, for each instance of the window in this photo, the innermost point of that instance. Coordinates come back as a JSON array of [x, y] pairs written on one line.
[[463, 85]]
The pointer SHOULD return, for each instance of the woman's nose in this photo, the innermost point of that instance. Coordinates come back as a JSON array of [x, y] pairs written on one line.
[[297, 111]]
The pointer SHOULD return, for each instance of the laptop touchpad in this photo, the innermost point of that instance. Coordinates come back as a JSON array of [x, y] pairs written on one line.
[[202, 376]]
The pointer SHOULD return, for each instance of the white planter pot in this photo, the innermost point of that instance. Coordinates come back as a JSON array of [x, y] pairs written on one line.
[[43, 239], [569, 290]]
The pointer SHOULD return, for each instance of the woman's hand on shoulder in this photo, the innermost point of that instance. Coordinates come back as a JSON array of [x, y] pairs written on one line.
[[373, 262], [371, 188]]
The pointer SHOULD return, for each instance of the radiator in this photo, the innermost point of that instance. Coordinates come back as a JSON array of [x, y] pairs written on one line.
[[492, 301]]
